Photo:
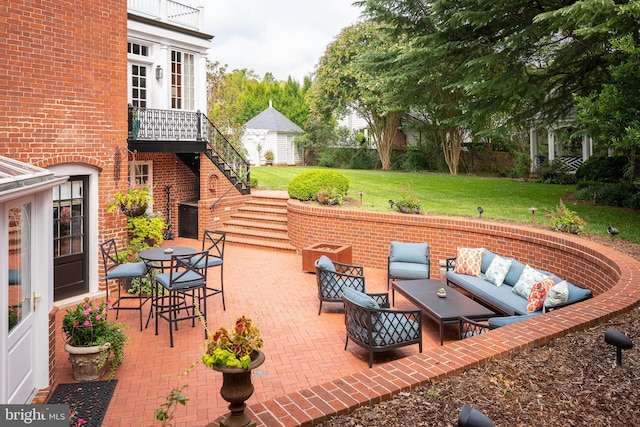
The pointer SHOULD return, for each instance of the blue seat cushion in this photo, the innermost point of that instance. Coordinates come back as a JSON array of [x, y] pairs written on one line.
[[123, 271], [514, 273], [502, 297], [487, 257], [212, 261], [409, 252], [325, 263], [407, 270], [496, 322], [189, 279]]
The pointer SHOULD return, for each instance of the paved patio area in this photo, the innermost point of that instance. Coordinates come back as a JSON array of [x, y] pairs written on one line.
[[302, 349]]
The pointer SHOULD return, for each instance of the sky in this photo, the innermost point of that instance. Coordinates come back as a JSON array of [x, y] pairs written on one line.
[[284, 37]]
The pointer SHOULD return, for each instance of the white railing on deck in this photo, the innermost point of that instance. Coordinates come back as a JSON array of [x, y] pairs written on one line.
[[168, 11]]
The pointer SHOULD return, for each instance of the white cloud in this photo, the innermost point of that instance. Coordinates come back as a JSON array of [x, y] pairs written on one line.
[[284, 37]]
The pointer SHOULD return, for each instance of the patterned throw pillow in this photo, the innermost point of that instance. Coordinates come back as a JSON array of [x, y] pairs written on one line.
[[527, 279], [557, 295], [468, 261], [538, 293], [498, 270]]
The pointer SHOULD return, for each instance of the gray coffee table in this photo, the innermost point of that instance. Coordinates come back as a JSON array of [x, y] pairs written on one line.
[[445, 311]]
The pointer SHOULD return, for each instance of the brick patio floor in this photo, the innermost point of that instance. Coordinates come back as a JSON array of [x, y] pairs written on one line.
[[303, 350]]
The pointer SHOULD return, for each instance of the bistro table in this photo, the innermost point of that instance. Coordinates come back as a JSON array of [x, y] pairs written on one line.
[[160, 259]]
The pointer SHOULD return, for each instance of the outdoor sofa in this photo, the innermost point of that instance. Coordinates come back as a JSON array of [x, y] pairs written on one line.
[[515, 290]]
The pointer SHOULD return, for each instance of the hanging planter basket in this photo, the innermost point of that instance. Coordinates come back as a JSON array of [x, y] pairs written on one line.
[[134, 210]]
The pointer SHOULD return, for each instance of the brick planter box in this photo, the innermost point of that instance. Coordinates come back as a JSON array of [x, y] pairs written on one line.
[[335, 252]]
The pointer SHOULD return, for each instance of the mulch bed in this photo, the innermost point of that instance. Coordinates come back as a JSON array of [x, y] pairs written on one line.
[[572, 381]]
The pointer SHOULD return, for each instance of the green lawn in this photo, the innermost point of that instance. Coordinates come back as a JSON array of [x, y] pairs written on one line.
[[500, 198]]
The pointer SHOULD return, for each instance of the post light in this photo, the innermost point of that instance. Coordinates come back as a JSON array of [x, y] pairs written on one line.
[[480, 210], [360, 192], [469, 417], [619, 340], [533, 214]]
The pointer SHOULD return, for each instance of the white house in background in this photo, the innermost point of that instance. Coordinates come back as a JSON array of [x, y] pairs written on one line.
[[271, 131]]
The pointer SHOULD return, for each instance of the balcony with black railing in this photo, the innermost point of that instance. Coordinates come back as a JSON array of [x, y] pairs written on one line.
[[184, 132]]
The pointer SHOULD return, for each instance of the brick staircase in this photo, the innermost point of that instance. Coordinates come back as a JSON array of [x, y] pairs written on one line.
[[261, 222]]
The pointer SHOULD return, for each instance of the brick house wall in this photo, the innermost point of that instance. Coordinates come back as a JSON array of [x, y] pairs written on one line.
[[63, 94]]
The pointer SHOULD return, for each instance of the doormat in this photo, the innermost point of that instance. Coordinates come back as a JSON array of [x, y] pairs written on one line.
[[89, 399]]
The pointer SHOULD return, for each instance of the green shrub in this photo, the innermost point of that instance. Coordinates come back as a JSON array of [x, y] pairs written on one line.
[[305, 185], [602, 169], [623, 194], [253, 182], [554, 172]]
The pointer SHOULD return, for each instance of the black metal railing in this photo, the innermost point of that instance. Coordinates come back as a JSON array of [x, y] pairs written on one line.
[[221, 151], [148, 124]]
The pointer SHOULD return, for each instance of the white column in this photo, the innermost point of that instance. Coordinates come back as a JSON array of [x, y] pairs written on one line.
[[551, 141], [586, 147], [533, 148]]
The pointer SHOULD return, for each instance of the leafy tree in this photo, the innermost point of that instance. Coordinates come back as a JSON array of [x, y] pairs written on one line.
[[612, 116], [343, 83]]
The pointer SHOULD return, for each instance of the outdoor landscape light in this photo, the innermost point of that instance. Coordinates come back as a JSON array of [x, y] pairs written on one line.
[[480, 210], [533, 214], [391, 203], [469, 417], [613, 231], [158, 72], [620, 340], [360, 192]]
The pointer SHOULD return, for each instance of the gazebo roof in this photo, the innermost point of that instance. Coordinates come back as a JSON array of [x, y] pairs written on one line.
[[273, 120]]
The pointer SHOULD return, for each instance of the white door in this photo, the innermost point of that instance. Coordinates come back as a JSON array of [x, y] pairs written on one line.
[[17, 245]]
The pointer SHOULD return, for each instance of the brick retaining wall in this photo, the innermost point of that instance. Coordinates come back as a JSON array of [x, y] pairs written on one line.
[[611, 276]]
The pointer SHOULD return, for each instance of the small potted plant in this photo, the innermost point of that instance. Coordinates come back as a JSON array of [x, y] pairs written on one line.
[[133, 202], [235, 354], [564, 219], [91, 338], [268, 157], [408, 201]]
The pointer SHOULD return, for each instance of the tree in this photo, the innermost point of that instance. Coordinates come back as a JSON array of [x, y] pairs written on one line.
[[343, 84], [612, 116]]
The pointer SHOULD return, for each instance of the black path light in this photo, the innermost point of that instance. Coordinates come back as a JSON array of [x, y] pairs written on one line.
[[469, 417], [391, 203], [613, 232], [480, 210], [618, 339]]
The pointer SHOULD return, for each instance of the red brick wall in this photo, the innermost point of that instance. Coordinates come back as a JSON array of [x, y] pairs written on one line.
[[370, 233], [63, 87]]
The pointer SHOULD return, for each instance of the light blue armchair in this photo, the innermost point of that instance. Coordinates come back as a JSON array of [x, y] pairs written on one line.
[[408, 261]]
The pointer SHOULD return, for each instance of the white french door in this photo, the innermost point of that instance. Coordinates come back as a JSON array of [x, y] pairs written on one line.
[[22, 301]]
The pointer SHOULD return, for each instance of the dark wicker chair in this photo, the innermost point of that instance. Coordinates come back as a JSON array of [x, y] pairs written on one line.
[[380, 329], [469, 328], [333, 277]]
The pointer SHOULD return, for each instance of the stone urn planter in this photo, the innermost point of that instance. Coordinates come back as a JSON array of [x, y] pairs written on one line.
[[236, 389], [88, 362]]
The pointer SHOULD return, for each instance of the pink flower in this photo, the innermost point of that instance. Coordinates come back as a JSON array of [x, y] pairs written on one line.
[[98, 318], [86, 323], [86, 313]]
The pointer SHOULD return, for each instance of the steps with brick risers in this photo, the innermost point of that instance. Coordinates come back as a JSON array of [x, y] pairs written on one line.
[[261, 222]]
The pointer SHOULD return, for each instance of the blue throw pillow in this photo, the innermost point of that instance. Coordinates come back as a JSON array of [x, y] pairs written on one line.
[[360, 298], [325, 263], [409, 252]]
